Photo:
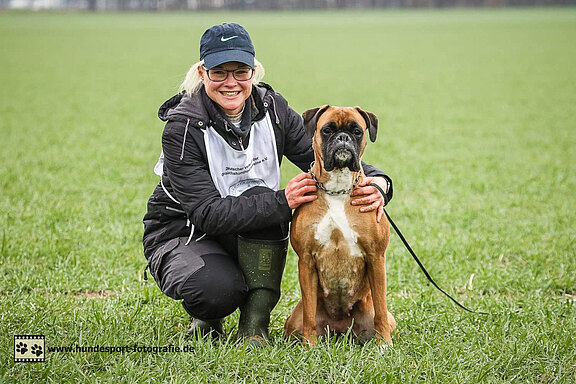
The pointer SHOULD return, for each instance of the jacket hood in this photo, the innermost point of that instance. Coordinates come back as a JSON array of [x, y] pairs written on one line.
[[182, 107]]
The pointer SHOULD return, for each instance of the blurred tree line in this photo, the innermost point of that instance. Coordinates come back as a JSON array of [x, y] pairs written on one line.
[[266, 4]]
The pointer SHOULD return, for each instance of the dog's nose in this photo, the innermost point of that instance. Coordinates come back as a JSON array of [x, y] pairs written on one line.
[[342, 137]]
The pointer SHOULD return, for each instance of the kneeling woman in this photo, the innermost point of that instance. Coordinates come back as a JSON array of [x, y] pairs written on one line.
[[216, 230]]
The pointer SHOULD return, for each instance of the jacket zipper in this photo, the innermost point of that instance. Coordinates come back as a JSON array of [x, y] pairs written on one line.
[[174, 209]]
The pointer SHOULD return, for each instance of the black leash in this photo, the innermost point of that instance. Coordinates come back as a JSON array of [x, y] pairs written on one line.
[[424, 269]]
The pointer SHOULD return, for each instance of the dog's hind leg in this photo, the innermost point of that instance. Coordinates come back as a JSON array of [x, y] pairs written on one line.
[[293, 326], [363, 315]]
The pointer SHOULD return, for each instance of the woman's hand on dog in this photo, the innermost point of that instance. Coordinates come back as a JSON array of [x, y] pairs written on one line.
[[368, 197], [297, 189]]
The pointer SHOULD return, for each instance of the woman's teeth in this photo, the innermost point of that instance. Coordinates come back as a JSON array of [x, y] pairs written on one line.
[[230, 93]]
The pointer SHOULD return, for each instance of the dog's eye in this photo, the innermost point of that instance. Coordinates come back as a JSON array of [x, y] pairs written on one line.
[[327, 130], [358, 132]]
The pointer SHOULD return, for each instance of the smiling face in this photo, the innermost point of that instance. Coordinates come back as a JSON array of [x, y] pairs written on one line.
[[229, 94]]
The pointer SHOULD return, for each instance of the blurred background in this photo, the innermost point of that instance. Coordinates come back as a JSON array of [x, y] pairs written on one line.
[[158, 5]]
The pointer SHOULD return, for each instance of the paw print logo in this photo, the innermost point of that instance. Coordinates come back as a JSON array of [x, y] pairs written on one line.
[[21, 348], [37, 350], [29, 348]]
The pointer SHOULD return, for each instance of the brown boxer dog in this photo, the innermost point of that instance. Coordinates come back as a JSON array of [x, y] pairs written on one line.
[[341, 251]]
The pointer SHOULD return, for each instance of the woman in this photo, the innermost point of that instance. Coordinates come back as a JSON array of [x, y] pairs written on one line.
[[216, 230]]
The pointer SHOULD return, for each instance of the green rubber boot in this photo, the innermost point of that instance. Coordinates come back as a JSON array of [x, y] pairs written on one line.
[[205, 328], [262, 263]]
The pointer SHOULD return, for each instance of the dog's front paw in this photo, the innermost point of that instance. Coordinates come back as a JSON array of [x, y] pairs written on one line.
[[309, 342], [384, 342], [384, 348]]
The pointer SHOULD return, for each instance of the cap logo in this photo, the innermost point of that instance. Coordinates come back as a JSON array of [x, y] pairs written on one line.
[[224, 39], [224, 43]]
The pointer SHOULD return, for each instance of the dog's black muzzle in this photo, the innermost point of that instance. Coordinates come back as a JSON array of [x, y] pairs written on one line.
[[341, 152]]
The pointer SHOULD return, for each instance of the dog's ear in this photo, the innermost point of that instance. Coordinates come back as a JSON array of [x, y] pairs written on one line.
[[371, 122], [311, 117]]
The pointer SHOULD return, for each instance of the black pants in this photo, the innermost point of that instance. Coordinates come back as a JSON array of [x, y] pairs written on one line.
[[205, 274]]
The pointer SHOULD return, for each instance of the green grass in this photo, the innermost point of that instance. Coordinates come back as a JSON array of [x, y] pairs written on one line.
[[477, 129]]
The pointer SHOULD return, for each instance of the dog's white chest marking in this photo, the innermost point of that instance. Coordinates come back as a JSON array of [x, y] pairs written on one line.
[[335, 217]]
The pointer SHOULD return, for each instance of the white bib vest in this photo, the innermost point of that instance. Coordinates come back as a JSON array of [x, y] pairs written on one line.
[[233, 172]]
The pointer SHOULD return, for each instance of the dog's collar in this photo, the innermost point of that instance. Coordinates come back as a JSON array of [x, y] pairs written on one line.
[[321, 186]]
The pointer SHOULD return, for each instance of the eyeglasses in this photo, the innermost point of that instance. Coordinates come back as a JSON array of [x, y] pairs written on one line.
[[240, 74]]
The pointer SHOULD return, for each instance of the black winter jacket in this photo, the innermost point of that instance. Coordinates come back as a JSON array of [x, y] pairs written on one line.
[[187, 176]]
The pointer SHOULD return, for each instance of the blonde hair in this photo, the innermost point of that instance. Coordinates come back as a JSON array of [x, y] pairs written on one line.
[[192, 82]]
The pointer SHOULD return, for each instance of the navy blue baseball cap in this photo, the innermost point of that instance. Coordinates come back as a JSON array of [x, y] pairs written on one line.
[[226, 42]]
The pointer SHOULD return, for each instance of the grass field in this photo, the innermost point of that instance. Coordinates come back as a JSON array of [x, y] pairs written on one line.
[[477, 129]]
